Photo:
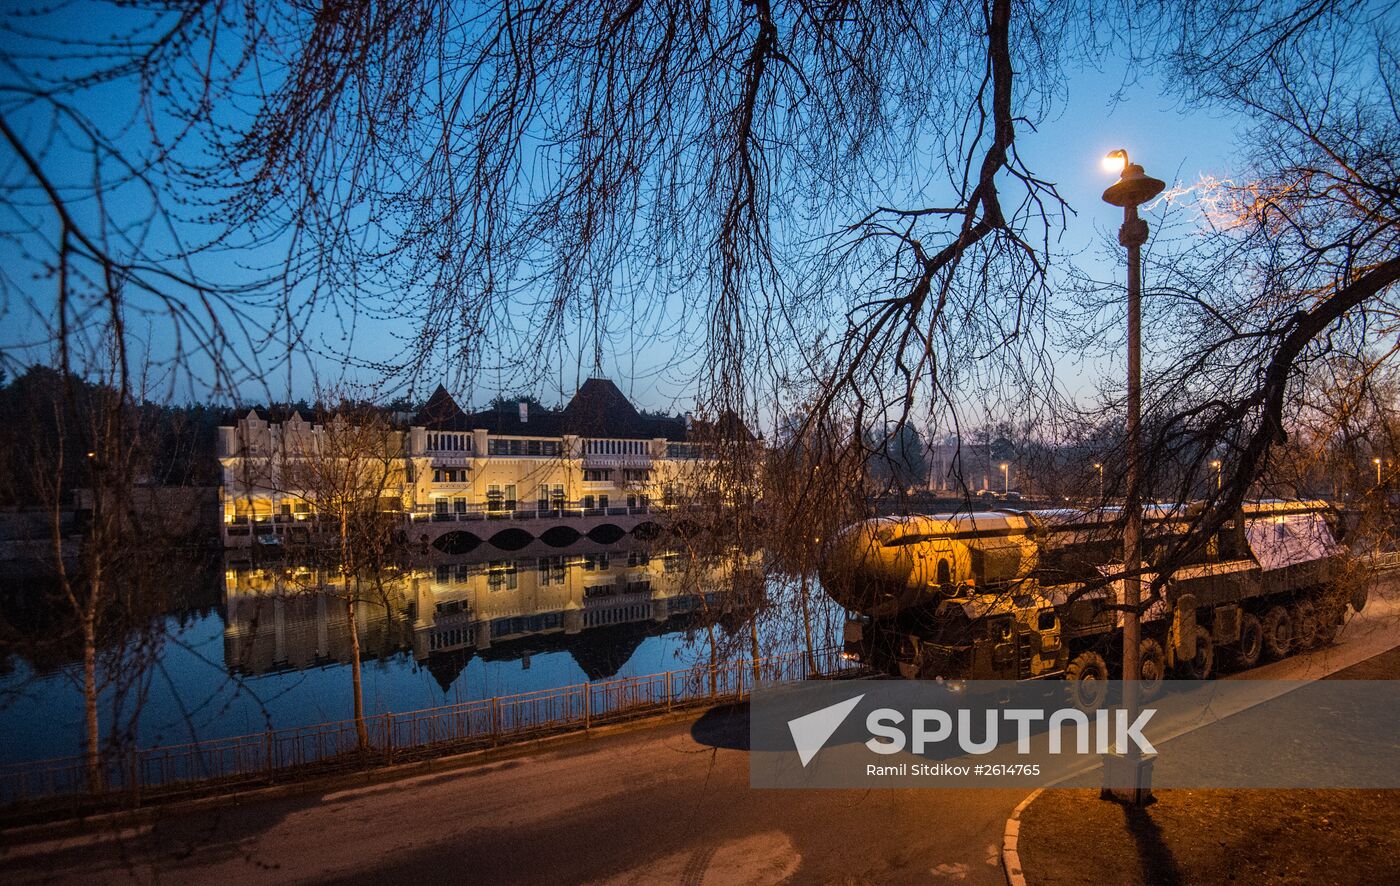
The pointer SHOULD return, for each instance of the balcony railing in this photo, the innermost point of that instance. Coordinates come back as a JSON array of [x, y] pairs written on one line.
[[479, 512], [609, 462]]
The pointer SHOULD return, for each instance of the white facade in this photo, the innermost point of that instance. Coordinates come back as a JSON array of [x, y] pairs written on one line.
[[446, 472]]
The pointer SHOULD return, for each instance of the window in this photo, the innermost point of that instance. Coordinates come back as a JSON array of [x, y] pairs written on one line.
[[440, 506], [602, 501], [557, 497], [459, 505], [510, 497], [551, 570], [523, 447], [588, 502], [631, 501], [437, 475], [494, 498], [542, 499], [596, 476], [636, 475], [595, 562]]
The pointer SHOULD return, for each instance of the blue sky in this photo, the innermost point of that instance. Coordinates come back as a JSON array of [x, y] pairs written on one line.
[[1099, 113]]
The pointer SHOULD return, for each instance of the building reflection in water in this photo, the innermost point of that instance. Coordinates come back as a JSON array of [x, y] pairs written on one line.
[[598, 605]]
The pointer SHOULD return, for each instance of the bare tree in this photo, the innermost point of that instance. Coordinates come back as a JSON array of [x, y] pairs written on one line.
[[349, 466]]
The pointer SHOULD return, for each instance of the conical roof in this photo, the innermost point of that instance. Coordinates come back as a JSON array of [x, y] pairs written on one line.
[[441, 413]]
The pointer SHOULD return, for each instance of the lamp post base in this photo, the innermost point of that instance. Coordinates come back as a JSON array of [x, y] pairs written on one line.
[[1127, 779]]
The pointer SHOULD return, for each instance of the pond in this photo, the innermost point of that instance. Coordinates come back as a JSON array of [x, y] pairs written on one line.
[[241, 648]]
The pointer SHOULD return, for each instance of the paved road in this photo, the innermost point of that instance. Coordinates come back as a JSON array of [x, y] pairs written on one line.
[[669, 803]]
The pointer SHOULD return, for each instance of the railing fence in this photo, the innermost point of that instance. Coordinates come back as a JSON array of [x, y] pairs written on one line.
[[281, 753]]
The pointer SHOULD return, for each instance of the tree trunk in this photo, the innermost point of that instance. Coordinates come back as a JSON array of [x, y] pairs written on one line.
[[755, 652], [361, 732], [807, 625], [351, 593], [92, 750], [714, 659]]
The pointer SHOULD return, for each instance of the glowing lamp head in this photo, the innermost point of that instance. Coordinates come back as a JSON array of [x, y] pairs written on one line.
[[1134, 187]]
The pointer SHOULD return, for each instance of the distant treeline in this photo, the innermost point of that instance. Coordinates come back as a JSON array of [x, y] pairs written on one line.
[[48, 427]]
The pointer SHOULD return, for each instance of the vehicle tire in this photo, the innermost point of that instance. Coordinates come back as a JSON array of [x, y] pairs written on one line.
[[1087, 679], [1152, 669], [1304, 616], [1251, 646], [1329, 621], [1278, 632], [1203, 665]]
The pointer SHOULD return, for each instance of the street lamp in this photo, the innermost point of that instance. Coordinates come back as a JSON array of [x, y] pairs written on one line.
[[1133, 188], [1216, 464], [1098, 466], [1006, 478], [1378, 471]]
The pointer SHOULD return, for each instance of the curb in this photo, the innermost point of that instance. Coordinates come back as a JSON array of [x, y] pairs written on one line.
[[1010, 853]]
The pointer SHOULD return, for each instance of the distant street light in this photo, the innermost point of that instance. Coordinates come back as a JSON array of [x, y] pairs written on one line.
[[1006, 478], [1378, 471], [1133, 188], [1099, 467], [1216, 464]]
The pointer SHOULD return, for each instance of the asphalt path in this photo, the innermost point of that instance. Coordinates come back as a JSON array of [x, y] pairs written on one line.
[[666, 803]]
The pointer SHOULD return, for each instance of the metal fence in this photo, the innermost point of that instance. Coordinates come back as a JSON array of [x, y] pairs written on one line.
[[283, 753]]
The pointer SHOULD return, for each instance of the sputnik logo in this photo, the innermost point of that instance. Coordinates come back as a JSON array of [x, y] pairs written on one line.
[[810, 732]]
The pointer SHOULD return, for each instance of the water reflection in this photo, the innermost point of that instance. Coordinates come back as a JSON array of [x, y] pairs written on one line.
[[234, 648], [599, 605]]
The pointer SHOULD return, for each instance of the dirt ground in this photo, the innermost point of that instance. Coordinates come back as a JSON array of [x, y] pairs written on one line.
[[1213, 836]]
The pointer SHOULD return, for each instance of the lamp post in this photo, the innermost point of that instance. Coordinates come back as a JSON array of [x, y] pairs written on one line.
[[1133, 188], [1098, 466], [1006, 478], [1216, 464], [1377, 463]]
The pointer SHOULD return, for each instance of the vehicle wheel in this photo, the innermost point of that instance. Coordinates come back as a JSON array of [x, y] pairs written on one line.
[[1304, 617], [1152, 669], [1087, 676], [1329, 621], [1251, 646], [1278, 632], [1203, 665]]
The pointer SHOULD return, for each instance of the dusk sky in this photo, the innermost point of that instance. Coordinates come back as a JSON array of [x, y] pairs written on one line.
[[1100, 114]]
